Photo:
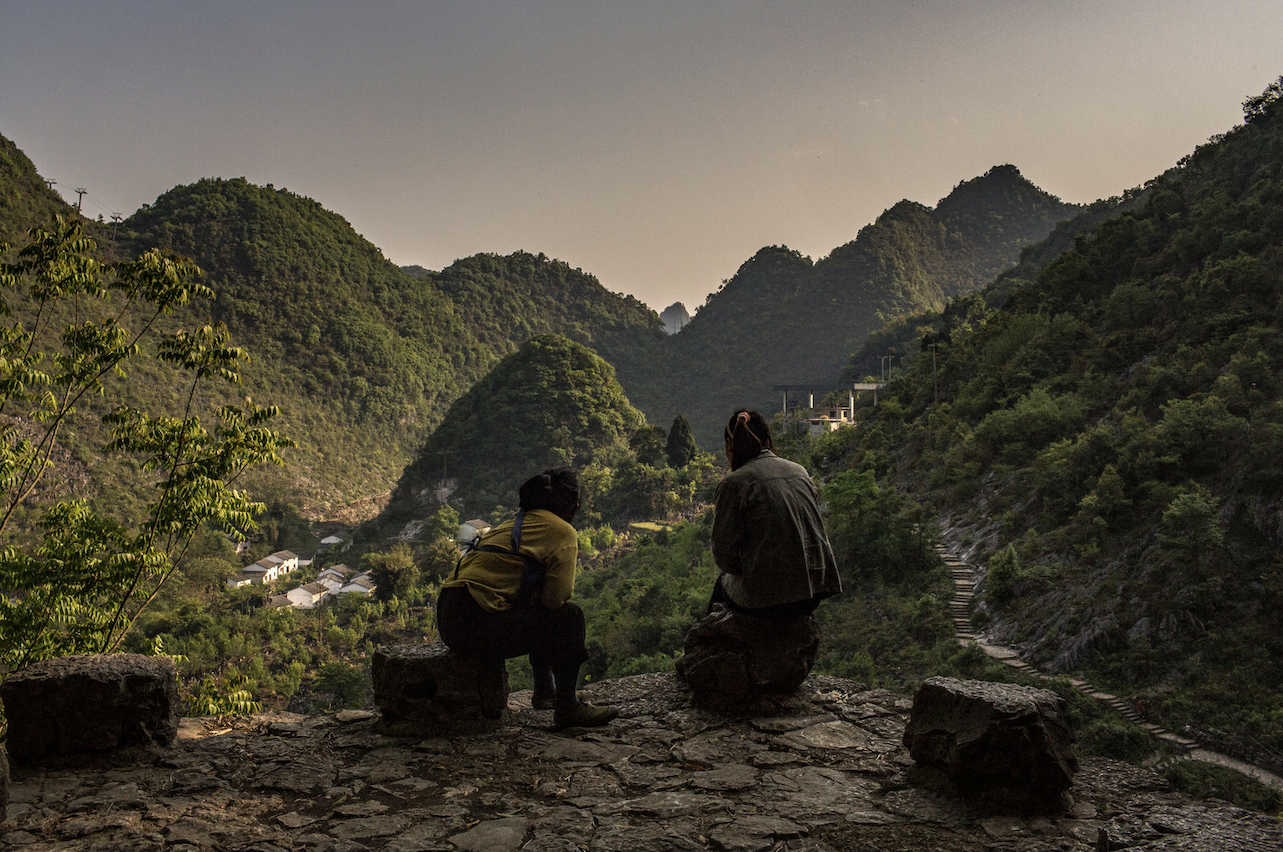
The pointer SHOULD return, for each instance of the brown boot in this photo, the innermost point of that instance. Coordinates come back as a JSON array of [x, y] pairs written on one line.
[[582, 715]]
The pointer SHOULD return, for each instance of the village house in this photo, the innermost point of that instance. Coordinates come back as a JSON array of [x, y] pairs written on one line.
[[331, 541], [261, 574], [309, 596], [285, 561], [266, 570], [335, 577], [361, 584]]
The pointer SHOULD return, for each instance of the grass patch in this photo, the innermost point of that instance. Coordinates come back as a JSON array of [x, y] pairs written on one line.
[[1207, 781]]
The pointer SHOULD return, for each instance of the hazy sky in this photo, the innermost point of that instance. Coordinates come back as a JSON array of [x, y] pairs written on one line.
[[656, 145]]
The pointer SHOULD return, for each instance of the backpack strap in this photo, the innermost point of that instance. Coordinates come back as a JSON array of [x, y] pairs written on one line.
[[532, 570]]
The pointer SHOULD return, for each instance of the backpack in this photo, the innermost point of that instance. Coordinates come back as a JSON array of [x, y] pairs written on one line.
[[532, 571]]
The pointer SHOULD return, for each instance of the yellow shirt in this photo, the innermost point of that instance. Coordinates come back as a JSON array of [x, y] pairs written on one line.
[[494, 579]]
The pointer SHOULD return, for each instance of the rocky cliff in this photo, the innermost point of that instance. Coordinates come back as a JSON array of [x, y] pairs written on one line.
[[824, 771]]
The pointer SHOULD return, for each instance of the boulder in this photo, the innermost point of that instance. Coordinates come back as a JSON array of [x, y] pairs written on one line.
[[993, 740], [420, 687], [79, 706], [731, 659]]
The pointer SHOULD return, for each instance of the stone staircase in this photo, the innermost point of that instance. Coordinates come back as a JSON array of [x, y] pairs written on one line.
[[964, 587]]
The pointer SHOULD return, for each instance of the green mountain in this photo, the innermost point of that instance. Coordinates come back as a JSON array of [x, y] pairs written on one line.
[[782, 319], [25, 199], [553, 401], [349, 344], [505, 301], [1108, 443], [342, 339]]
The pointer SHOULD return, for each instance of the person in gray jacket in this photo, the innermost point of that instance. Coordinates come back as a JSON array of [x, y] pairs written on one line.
[[768, 537]]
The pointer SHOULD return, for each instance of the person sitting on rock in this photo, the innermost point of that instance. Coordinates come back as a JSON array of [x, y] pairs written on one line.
[[768, 538], [499, 604]]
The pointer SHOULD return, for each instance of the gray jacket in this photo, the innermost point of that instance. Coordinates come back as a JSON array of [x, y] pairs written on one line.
[[768, 537]]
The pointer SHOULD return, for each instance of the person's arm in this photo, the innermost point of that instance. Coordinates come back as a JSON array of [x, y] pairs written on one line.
[[728, 528], [559, 579]]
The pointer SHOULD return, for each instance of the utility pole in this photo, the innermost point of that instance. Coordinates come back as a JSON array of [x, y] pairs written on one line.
[[115, 221], [80, 196], [444, 454], [49, 182]]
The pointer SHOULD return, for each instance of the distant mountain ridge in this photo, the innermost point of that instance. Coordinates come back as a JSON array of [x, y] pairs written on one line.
[[782, 319], [349, 344]]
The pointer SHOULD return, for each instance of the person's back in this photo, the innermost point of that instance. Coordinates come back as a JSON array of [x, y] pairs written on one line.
[[483, 611], [768, 536]]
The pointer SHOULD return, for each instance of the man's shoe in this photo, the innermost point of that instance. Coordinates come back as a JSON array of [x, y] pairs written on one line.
[[582, 715], [544, 701]]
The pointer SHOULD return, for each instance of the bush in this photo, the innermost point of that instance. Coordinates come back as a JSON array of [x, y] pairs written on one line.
[[1205, 781]]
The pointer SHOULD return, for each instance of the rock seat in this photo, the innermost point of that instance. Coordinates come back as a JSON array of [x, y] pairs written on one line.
[[66, 708], [429, 687], [993, 741], [731, 659]]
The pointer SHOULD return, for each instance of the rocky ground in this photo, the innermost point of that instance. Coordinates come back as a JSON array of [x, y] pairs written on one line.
[[825, 771]]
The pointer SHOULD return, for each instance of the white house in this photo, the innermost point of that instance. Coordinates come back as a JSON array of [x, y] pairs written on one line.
[[335, 577], [286, 561], [360, 584], [242, 579], [307, 597], [261, 572]]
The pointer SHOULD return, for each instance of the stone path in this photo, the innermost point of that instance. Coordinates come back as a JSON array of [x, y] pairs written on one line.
[[960, 609], [821, 771]]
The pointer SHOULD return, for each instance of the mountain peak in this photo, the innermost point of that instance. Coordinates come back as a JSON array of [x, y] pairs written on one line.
[[1000, 186]]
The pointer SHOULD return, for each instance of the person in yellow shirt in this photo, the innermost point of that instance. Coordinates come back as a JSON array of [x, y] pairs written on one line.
[[510, 596]]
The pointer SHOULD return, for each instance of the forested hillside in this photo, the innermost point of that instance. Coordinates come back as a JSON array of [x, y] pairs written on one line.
[[25, 199], [507, 300], [551, 402], [783, 319], [349, 344], [343, 340], [1108, 443]]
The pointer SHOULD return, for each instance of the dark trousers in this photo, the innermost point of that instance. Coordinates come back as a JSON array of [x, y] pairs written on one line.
[[553, 638]]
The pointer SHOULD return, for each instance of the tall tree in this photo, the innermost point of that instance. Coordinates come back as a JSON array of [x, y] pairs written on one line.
[[74, 577], [681, 443]]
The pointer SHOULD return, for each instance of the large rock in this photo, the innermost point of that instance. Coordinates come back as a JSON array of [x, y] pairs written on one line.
[[424, 687], [731, 659], [83, 705], [993, 740]]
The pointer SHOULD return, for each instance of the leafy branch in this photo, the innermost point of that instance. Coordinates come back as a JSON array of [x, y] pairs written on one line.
[[86, 578]]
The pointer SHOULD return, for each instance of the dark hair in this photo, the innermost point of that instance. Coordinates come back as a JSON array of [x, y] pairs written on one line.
[[556, 489], [747, 434]]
